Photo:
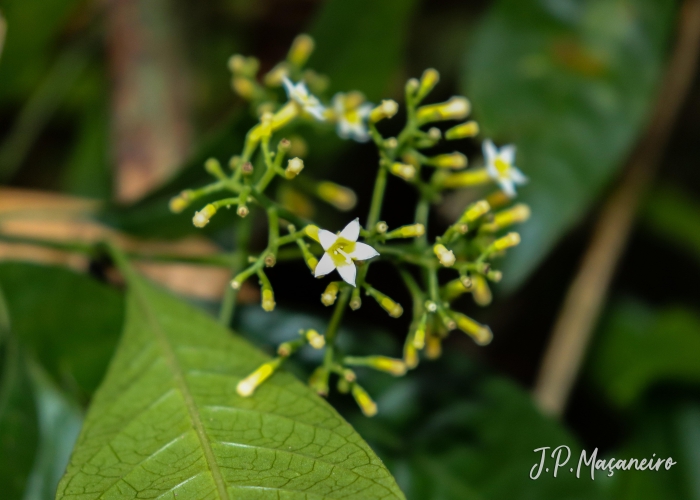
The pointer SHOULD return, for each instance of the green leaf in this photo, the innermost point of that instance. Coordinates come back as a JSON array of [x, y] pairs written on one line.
[[675, 216], [668, 426], [69, 321], [571, 84], [18, 420], [60, 419], [167, 420], [639, 346], [359, 44]]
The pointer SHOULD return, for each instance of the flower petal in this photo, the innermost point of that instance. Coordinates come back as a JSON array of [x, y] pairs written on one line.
[[508, 187], [352, 231], [507, 154], [490, 151], [326, 238], [363, 252], [288, 87], [517, 176], [348, 273], [324, 266]]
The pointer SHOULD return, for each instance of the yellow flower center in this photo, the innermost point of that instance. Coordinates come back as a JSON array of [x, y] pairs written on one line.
[[502, 167], [340, 251], [352, 116]]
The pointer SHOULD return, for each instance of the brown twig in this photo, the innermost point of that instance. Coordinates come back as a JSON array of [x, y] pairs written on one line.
[[584, 300]]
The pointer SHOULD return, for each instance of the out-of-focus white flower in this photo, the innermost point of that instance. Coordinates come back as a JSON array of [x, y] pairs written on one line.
[[351, 115], [499, 164], [308, 102]]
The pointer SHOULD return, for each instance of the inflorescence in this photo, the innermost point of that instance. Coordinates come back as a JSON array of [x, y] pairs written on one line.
[[465, 249]]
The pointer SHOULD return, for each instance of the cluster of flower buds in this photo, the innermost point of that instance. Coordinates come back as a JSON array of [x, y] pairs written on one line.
[[465, 250]]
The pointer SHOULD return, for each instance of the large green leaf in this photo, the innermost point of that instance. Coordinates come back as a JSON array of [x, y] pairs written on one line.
[[18, 420], [639, 346], [571, 83], [167, 420], [68, 321], [359, 44]]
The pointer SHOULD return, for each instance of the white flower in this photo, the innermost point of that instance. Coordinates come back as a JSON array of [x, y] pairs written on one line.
[[341, 250], [300, 95], [352, 116], [499, 164]]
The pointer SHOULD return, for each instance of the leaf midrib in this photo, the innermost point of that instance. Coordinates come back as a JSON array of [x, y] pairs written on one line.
[[181, 384]]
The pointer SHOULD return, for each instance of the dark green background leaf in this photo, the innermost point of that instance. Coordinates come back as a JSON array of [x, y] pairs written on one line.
[[571, 84]]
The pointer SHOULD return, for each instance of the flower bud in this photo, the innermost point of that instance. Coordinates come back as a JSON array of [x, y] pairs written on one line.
[[315, 339], [294, 168], [301, 49], [244, 87], [404, 170], [364, 401], [481, 334], [329, 296], [419, 334], [453, 160], [340, 197], [276, 75], [390, 365], [410, 355], [445, 256], [385, 302], [268, 300], [481, 293], [312, 232], [456, 108], [410, 231], [507, 241], [202, 217], [412, 85], [236, 63], [247, 168], [471, 177], [180, 202], [247, 386], [428, 81], [381, 227], [213, 167], [433, 347], [515, 215], [319, 381], [456, 288], [475, 210], [387, 109], [463, 130]]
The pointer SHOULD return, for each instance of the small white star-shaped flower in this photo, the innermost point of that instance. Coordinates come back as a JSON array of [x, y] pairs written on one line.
[[300, 95], [499, 165], [352, 115], [341, 250]]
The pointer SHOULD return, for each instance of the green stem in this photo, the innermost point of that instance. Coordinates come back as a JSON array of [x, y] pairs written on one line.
[[333, 324], [228, 304], [377, 198]]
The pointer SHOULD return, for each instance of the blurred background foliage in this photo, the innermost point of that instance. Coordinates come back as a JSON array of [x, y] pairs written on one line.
[[571, 82]]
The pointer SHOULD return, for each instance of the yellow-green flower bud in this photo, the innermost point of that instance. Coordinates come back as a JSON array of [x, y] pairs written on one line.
[[202, 217], [480, 291], [445, 256], [428, 81], [294, 168], [319, 381], [244, 87], [387, 303], [433, 347], [463, 131], [453, 160], [455, 108], [268, 300], [387, 109], [180, 202], [404, 170], [475, 210], [515, 215], [247, 386], [339, 196], [390, 365], [315, 339], [312, 232], [419, 334], [276, 75], [381, 227], [329, 296], [410, 355], [471, 177], [364, 401], [507, 241], [480, 333], [410, 231], [301, 49], [213, 167], [456, 288]]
